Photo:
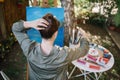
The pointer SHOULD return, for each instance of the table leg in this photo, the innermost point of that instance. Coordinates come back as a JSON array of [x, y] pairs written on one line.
[[72, 72], [91, 76], [98, 76], [84, 75]]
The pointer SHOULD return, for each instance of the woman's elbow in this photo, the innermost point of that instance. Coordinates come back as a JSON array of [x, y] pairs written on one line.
[[84, 51]]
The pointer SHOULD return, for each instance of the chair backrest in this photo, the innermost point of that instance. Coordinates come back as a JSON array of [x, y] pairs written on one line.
[[37, 12]]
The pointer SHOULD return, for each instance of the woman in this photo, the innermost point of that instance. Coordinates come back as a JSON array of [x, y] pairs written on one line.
[[46, 61]]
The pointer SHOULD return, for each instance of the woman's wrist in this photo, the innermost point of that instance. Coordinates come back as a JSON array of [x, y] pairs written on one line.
[[26, 24]]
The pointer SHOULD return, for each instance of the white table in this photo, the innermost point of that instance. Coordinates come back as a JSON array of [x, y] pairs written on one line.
[[84, 68]]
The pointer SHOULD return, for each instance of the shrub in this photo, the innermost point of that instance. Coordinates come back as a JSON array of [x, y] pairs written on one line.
[[6, 45]]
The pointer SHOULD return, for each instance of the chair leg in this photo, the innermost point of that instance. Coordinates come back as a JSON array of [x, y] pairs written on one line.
[[71, 72]]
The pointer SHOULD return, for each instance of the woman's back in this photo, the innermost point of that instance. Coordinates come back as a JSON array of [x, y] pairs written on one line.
[[52, 66]]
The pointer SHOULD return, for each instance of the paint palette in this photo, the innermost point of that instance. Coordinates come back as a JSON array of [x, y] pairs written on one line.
[[93, 52]]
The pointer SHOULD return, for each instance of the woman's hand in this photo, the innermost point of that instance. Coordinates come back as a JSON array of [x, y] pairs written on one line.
[[38, 24], [76, 34], [84, 34]]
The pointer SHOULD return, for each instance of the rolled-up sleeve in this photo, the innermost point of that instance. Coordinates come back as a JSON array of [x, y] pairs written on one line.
[[23, 39], [76, 53]]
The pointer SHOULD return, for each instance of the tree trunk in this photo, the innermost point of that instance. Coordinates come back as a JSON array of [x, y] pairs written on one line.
[[45, 3], [55, 3], [35, 3], [68, 6]]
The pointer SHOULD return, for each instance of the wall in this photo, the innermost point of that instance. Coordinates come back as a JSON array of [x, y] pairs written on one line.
[[3, 34], [14, 10]]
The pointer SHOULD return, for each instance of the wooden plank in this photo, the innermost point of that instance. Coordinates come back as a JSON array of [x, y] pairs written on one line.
[[13, 12], [2, 22], [115, 36], [1, 0]]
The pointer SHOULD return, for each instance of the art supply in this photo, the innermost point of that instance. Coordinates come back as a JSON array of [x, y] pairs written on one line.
[[108, 56], [91, 58], [81, 61], [102, 60], [93, 52], [106, 51], [94, 66]]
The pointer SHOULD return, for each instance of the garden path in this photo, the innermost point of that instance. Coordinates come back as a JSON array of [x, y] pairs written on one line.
[[115, 36]]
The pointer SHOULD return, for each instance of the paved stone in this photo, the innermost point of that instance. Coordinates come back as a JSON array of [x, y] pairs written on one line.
[[115, 36]]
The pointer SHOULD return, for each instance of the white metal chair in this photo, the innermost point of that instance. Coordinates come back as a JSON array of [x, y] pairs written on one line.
[[3, 76]]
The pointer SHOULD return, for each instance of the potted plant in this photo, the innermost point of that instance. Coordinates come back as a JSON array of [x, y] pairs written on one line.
[[111, 23], [117, 16], [117, 21]]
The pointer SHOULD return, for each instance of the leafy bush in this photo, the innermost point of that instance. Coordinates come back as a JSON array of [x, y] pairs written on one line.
[[97, 19], [117, 19], [6, 45]]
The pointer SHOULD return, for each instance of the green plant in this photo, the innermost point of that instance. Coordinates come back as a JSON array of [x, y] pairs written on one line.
[[6, 45], [82, 8], [117, 16], [117, 20], [97, 19]]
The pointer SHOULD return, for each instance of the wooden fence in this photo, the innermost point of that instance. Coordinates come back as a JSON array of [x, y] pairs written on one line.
[[13, 10]]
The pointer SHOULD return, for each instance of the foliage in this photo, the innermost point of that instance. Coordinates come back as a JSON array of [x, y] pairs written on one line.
[[97, 19], [113, 4], [51, 3], [110, 7], [82, 8], [117, 20], [117, 16], [118, 3], [39, 3], [6, 45]]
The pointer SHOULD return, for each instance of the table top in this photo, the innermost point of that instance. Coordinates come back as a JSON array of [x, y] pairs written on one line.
[[98, 59]]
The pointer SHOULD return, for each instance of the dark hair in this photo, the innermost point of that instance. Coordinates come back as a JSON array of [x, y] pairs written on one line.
[[52, 27]]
